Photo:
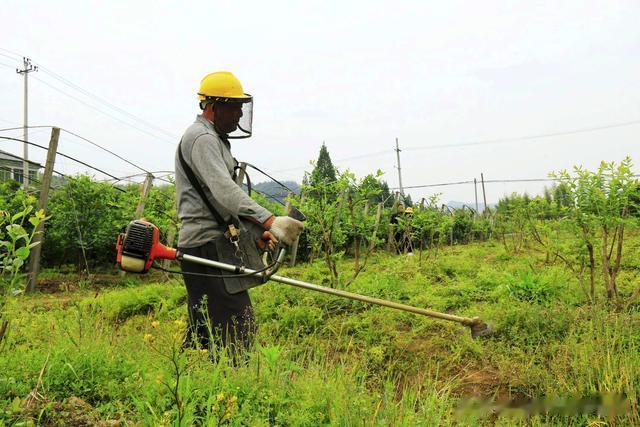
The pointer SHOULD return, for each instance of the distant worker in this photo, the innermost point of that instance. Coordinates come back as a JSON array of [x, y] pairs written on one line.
[[210, 207], [401, 223], [407, 241]]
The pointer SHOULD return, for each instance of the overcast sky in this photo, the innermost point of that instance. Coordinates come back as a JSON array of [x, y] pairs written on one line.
[[353, 74]]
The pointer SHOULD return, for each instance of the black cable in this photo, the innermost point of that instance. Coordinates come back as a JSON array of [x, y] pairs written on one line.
[[433, 185], [270, 177], [90, 142], [219, 276], [61, 154], [105, 149], [268, 196], [22, 127]]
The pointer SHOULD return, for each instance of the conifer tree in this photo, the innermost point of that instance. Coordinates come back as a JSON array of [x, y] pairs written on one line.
[[324, 172]]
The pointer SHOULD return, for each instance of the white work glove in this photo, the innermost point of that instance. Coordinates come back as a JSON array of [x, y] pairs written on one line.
[[286, 229]]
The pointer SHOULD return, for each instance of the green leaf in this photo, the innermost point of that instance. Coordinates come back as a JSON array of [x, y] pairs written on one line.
[[17, 216], [23, 252], [17, 263]]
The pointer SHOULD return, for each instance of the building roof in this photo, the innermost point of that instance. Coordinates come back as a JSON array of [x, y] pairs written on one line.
[[8, 156]]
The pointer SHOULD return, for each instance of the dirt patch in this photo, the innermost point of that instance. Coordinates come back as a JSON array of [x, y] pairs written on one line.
[[466, 377], [72, 412], [72, 283], [480, 383]]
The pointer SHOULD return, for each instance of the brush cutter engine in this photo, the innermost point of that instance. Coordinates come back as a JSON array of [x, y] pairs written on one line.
[[139, 246]]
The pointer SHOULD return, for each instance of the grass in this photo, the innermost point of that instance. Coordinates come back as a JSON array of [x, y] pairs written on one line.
[[319, 360]]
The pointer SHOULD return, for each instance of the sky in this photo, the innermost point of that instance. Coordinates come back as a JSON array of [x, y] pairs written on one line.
[[447, 79]]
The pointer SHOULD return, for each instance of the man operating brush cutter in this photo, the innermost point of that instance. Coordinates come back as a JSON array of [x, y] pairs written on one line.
[[220, 221]]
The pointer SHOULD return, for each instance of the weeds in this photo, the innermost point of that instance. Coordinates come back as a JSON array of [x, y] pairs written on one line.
[[326, 361]]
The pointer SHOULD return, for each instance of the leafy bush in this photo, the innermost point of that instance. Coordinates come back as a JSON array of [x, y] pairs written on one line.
[[531, 287]]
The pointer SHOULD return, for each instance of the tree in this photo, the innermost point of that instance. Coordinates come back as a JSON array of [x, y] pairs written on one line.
[[337, 219], [86, 217], [379, 190], [324, 171], [598, 215]]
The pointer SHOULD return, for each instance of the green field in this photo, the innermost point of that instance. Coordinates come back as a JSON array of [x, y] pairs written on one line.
[[107, 354]]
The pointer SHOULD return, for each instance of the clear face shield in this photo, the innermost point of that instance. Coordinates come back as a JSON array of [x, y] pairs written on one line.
[[233, 117]]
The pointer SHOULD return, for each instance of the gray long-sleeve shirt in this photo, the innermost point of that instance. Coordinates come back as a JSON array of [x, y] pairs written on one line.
[[211, 161]]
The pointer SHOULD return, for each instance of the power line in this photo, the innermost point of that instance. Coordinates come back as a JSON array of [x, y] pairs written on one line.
[[489, 181], [488, 141], [104, 102], [529, 137], [93, 96], [11, 52], [105, 113], [433, 185]]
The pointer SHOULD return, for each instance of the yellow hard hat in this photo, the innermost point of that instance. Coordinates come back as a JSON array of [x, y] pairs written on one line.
[[222, 86], [408, 210]]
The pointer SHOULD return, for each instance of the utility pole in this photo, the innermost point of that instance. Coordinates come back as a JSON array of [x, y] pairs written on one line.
[[397, 150], [34, 258], [475, 188], [484, 194], [144, 193], [28, 68]]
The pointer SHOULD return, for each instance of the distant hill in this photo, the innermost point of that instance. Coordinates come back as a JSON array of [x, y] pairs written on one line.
[[275, 190]]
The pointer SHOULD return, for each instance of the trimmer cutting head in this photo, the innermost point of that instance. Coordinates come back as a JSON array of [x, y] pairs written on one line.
[[479, 329]]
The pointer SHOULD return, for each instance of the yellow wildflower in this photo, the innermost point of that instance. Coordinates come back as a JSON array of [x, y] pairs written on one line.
[[180, 323], [155, 324], [148, 338], [220, 396]]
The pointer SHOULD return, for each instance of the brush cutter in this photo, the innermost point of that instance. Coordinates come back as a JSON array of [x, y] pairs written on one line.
[[139, 247]]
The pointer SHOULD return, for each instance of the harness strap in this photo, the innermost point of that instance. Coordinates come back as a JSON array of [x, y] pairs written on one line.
[[232, 228]]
